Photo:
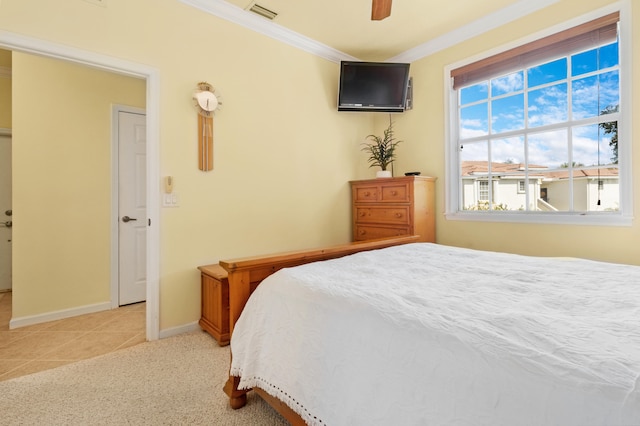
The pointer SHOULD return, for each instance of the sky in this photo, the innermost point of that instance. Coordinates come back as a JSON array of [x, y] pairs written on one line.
[[586, 83]]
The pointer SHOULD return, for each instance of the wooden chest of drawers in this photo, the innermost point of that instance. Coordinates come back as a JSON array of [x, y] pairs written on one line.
[[390, 207]]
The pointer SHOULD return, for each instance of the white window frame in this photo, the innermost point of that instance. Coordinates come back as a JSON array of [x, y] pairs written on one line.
[[624, 217]]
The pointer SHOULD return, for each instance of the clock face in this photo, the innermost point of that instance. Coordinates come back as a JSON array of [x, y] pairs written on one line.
[[207, 100]]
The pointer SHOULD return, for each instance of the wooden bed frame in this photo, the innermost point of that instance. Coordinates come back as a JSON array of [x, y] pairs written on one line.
[[244, 276]]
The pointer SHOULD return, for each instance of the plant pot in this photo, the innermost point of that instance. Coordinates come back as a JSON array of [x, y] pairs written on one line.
[[383, 174]]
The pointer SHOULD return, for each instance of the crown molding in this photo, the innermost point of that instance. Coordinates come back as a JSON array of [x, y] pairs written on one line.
[[474, 29], [235, 14], [5, 72]]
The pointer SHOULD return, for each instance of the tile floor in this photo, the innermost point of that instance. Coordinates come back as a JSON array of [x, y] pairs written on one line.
[[48, 345]]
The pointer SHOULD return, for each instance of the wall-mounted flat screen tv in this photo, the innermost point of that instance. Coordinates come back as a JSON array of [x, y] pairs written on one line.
[[373, 86]]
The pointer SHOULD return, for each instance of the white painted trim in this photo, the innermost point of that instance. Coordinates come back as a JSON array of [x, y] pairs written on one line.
[[16, 42], [237, 15], [174, 331], [115, 199], [625, 130], [58, 315]]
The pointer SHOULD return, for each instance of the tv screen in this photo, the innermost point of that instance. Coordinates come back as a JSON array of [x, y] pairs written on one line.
[[373, 86]]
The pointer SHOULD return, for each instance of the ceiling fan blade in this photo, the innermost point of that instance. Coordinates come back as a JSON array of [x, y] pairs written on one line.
[[380, 9]]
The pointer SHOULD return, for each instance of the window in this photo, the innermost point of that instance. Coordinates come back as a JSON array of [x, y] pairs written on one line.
[[535, 128], [483, 190]]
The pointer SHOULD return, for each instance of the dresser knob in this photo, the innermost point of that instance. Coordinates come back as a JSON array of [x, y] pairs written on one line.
[[367, 193], [394, 192], [398, 215]]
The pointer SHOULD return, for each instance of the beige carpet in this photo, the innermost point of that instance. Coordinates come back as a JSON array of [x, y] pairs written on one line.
[[173, 381]]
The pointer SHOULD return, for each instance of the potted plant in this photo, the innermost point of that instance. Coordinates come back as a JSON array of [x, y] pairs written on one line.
[[381, 150]]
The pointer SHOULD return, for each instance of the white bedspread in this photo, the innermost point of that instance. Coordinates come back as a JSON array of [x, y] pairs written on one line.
[[428, 334]]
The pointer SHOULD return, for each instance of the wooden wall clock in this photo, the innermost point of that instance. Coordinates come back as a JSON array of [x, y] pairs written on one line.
[[207, 102]]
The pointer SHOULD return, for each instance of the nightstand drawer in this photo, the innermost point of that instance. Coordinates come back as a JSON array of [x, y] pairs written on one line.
[[381, 214], [368, 232]]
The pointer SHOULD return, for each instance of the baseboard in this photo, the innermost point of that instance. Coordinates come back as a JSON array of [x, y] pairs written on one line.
[[174, 331], [58, 315]]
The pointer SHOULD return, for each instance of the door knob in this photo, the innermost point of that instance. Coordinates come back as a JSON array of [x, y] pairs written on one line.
[[126, 219]]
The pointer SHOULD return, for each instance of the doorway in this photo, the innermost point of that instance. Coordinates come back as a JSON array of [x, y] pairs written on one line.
[[5, 210], [129, 280], [24, 44]]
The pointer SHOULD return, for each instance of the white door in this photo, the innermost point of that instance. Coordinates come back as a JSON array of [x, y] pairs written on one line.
[[5, 212], [132, 207]]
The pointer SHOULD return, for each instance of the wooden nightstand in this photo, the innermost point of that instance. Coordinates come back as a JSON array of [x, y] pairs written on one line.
[[215, 303]]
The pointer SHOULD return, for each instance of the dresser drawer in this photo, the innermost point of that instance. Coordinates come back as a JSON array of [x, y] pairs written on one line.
[[382, 214], [368, 232], [365, 194], [382, 193], [399, 193]]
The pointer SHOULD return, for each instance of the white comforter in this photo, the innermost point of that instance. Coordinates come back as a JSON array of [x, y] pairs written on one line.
[[428, 334]]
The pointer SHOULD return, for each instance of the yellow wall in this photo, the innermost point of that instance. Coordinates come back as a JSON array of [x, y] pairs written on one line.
[[283, 154], [62, 181], [5, 89], [426, 125]]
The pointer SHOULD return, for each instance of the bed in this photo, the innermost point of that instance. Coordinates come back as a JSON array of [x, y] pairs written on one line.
[[399, 332]]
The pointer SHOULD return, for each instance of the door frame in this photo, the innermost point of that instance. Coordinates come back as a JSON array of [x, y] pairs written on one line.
[[35, 46], [115, 199]]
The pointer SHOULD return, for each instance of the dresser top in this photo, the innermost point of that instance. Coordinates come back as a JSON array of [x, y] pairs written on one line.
[[394, 179]]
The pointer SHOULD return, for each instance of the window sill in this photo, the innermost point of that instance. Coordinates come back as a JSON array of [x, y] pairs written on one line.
[[590, 219]]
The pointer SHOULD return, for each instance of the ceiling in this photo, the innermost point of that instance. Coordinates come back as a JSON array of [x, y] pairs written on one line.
[[346, 25]]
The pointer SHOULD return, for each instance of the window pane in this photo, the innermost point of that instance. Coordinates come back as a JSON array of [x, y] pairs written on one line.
[[547, 73], [508, 84], [507, 114], [508, 170], [596, 190], [548, 105], [584, 62], [609, 136], [474, 93], [591, 146], [609, 90], [548, 149], [474, 161], [508, 151], [609, 56], [474, 121], [591, 96], [584, 98]]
